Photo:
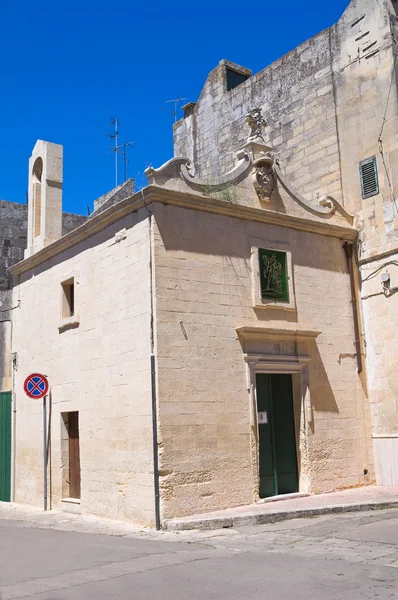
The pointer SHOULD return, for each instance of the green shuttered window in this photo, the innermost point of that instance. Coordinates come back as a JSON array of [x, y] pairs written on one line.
[[369, 177]]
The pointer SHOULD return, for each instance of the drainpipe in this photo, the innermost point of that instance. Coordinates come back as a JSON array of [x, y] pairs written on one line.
[[349, 250], [153, 385]]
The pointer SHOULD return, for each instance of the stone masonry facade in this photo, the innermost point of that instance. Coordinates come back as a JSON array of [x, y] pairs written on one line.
[[168, 329], [330, 104]]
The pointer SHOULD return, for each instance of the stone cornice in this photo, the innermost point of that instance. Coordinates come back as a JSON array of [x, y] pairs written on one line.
[[283, 335], [152, 194]]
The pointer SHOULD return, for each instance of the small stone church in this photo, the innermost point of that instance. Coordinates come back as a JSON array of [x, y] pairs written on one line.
[[227, 333]]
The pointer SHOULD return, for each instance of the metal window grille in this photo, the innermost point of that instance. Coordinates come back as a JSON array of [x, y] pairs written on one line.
[[369, 177]]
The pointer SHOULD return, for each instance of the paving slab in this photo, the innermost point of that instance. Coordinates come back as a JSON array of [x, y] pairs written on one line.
[[358, 499]]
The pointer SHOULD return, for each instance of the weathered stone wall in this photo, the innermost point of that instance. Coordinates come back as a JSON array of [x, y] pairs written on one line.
[[296, 95], [98, 366], [324, 103], [204, 292], [71, 221], [368, 126], [13, 223], [13, 235], [122, 191]]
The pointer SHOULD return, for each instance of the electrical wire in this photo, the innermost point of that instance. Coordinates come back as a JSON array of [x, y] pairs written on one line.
[[377, 271], [389, 93], [380, 138]]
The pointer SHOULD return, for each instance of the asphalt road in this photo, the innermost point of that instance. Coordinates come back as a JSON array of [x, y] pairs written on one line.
[[339, 557]]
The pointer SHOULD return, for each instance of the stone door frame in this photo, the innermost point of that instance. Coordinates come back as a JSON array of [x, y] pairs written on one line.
[[272, 352]]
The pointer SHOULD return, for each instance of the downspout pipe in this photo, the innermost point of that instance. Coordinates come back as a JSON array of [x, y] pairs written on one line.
[[153, 386], [349, 251]]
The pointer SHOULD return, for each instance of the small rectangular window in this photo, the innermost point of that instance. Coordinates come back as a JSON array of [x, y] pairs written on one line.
[[369, 177], [234, 79], [68, 298], [273, 275]]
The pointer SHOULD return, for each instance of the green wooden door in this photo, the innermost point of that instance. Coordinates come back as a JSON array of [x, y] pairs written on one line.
[[267, 466], [277, 440], [5, 446]]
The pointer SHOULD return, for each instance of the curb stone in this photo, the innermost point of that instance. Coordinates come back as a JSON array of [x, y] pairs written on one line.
[[209, 523]]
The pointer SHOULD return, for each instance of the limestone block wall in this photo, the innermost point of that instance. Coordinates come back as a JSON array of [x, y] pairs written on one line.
[[368, 126], [363, 60], [380, 309], [324, 103], [13, 226], [296, 95], [13, 222], [203, 284], [100, 368]]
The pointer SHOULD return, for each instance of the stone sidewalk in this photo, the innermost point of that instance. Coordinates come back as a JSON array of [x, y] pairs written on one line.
[[359, 499], [271, 511]]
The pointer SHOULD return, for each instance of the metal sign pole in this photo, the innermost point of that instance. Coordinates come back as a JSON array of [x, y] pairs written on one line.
[[36, 387], [45, 450]]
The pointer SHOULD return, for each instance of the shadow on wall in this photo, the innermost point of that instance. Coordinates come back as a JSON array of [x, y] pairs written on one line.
[[276, 203], [198, 232], [321, 393]]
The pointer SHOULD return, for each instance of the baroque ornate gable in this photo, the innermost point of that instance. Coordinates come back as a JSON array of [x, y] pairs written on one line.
[[256, 181]]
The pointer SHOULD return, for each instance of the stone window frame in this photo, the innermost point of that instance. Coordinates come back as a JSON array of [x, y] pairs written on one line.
[[266, 303], [72, 321]]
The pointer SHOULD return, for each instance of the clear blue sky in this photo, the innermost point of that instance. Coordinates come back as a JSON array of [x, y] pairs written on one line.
[[68, 67]]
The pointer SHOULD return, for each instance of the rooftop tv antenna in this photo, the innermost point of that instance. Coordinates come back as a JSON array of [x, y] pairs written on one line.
[[177, 101], [123, 152], [115, 148]]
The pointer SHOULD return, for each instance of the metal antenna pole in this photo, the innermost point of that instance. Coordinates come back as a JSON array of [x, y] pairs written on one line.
[[116, 148], [115, 136], [177, 101], [124, 154]]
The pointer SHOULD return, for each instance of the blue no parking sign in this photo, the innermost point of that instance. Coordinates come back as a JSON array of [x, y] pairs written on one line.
[[36, 385]]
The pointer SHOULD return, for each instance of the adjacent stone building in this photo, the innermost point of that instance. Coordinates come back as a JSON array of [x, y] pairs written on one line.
[[221, 335]]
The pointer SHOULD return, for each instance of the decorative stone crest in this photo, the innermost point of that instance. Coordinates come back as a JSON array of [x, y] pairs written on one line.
[[263, 177]]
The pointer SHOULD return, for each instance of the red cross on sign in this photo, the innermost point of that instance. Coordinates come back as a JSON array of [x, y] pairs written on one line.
[[36, 386]]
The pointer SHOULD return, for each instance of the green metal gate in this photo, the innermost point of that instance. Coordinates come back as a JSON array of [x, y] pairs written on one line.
[[5, 446]]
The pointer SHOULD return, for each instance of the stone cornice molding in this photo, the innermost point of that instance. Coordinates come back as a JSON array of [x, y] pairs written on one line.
[[273, 350], [283, 335], [153, 194]]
